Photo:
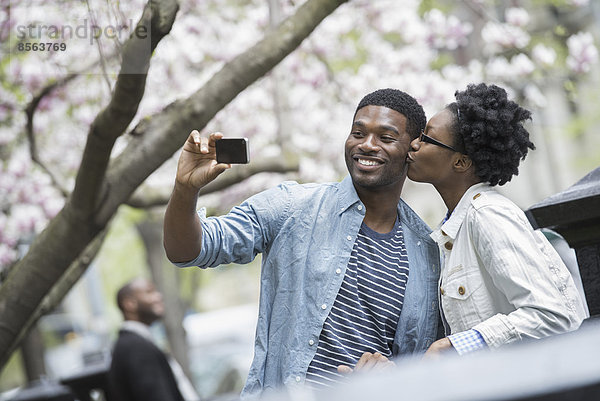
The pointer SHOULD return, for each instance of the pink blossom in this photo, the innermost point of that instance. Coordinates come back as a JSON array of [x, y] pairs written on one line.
[[578, 3], [446, 32], [8, 256]]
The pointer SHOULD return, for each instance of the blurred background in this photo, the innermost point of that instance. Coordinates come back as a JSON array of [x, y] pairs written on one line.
[[297, 116]]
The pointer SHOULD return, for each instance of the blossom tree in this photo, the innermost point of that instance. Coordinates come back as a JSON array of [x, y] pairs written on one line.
[[60, 187]]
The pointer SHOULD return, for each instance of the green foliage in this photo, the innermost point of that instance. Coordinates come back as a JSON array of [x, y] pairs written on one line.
[[442, 60], [13, 375], [122, 256], [428, 5]]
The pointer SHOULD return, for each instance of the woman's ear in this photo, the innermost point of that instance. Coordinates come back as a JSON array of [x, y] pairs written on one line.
[[462, 163]]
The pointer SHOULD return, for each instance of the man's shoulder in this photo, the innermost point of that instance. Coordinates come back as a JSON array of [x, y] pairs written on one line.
[[128, 340], [412, 221], [309, 187], [299, 192]]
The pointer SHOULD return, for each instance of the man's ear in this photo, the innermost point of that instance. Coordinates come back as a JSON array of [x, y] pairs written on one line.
[[129, 304], [462, 163]]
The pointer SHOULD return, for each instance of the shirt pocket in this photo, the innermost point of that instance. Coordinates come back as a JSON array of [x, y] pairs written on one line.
[[463, 299], [461, 284]]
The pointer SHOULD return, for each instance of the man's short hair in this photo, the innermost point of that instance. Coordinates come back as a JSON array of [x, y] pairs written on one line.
[[125, 291], [401, 102]]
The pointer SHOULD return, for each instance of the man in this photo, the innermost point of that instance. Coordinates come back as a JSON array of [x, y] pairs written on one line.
[[335, 293], [139, 369]]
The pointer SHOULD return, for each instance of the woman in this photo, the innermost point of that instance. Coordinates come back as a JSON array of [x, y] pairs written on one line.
[[500, 281]]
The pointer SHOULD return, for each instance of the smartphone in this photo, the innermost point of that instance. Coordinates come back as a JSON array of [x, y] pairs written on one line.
[[232, 150]]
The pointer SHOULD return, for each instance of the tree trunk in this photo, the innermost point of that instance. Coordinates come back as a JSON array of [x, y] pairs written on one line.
[[32, 353], [100, 189], [166, 278]]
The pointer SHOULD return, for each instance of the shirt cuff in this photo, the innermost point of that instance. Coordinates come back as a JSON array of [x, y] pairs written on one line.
[[467, 341]]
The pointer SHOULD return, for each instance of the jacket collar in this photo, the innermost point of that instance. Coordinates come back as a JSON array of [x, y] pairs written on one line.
[[348, 197], [138, 328], [453, 224]]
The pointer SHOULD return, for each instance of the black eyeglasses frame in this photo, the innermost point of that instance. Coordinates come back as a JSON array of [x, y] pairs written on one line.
[[428, 139]]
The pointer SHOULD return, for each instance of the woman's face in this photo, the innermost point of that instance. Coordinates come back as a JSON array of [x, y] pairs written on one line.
[[430, 162]]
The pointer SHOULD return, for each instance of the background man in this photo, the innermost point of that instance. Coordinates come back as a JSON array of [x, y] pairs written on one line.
[[139, 369], [335, 293]]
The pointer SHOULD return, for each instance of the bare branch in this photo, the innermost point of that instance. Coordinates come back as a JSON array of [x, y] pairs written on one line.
[[33, 149], [157, 19], [57, 180], [146, 198]]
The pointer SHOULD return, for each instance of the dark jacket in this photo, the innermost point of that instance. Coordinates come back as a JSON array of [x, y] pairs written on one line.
[[140, 371]]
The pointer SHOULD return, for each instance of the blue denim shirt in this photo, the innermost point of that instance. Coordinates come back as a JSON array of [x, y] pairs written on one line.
[[306, 234]]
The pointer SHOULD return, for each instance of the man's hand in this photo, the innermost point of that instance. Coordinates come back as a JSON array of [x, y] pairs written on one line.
[[197, 164], [438, 348], [368, 362]]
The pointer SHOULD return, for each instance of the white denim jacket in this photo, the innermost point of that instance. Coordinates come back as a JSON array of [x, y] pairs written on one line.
[[499, 276]]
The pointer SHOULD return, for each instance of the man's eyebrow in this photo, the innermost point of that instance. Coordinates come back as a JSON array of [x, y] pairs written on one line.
[[382, 127]]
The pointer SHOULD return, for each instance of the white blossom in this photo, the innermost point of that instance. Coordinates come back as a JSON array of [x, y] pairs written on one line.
[[503, 36], [517, 16], [535, 96], [543, 55], [582, 52]]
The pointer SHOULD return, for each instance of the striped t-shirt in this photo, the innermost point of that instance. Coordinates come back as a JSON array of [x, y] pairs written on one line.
[[366, 310]]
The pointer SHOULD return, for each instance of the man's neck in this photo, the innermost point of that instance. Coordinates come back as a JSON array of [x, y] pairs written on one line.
[[381, 208]]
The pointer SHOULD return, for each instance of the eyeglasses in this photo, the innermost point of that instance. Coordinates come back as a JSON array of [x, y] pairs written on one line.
[[428, 139]]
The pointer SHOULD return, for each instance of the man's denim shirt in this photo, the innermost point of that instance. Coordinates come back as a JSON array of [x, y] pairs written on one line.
[[306, 234]]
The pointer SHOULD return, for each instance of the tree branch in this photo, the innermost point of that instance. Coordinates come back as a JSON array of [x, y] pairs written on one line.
[[33, 149], [157, 137], [157, 19], [65, 283], [145, 198]]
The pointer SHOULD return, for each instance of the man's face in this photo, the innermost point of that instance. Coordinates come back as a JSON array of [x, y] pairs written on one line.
[[150, 306], [376, 148]]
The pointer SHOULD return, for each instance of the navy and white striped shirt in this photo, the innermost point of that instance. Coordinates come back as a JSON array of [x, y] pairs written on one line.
[[367, 308]]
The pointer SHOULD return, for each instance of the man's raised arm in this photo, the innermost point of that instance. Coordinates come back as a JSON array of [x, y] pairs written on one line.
[[197, 167]]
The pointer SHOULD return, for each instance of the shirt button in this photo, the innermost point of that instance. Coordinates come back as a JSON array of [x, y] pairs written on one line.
[[418, 243], [349, 238], [311, 342], [442, 291], [433, 267], [461, 290], [323, 306], [359, 207], [298, 378], [338, 271], [448, 245]]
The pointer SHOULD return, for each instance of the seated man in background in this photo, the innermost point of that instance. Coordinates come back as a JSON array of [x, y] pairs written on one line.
[[139, 369]]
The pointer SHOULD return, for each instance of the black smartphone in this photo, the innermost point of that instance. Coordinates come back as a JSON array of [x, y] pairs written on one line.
[[232, 150]]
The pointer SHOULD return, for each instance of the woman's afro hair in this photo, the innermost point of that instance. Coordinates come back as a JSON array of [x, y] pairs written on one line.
[[489, 128]]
